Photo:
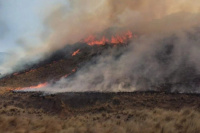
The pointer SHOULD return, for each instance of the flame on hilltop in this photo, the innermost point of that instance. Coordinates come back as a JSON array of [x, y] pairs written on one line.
[[115, 39], [76, 52]]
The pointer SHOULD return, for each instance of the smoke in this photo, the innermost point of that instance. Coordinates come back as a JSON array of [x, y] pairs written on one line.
[[83, 18], [150, 62], [168, 43], [69, 23]]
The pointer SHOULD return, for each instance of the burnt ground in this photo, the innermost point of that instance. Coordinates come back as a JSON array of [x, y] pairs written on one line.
[[77, 103]]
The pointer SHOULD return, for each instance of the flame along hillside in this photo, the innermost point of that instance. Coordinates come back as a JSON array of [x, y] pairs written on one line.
[[64, 62]]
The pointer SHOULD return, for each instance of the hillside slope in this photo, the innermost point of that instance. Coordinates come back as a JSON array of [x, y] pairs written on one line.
[[57, 65]]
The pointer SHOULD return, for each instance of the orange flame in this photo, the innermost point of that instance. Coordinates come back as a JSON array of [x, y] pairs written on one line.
[[91, 40], [31, 71], [73, 71], [15, 74], [42, 84], [76, 52], [117, 39], [65, 76], [37, 86], [31, 87]]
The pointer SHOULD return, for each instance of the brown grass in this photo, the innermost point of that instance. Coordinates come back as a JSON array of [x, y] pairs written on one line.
[[99, 113], [16, 120], [4, 90]]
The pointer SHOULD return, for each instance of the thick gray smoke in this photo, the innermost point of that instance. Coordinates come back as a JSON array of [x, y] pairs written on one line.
[[69, 23], [149, 62], [165, 52]]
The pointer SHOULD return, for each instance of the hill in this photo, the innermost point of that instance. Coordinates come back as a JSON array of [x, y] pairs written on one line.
[[53, 67]]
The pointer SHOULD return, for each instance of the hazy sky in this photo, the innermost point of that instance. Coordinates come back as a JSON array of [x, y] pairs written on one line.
[[22, 20]]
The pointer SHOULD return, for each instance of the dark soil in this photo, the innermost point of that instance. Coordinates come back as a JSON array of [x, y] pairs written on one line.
[[77, 103]]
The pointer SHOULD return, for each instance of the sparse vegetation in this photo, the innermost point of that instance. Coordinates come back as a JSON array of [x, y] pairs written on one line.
[[99, 113], [123, 121]]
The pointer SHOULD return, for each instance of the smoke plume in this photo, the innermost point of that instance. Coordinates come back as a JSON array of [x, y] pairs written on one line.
[[146, 64], [165, 51]]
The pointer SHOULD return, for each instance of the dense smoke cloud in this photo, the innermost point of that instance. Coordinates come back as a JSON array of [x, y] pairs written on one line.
[[164, 52], [69, 23], [148, 63], [145, 16], [168, 42]]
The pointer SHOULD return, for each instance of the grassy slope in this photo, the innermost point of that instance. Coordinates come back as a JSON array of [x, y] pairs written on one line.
[[50, 71]]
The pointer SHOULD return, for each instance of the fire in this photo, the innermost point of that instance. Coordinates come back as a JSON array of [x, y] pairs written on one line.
[[91, 40], [37, 86], [33, 70], [73, 71], [42, 84], [76, 52], [15, 74], [65, 76], [115, 39], [31, 87]]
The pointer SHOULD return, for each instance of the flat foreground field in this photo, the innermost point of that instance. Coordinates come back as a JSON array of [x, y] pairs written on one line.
[[137, 112]]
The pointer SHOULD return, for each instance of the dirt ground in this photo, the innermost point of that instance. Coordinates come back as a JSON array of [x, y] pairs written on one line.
[[138, 112]]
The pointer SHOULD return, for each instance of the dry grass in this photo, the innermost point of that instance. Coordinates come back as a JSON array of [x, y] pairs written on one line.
[[16, 120], [4, 90]]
